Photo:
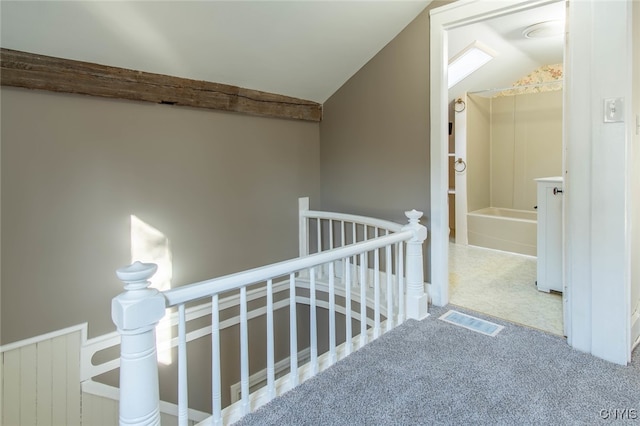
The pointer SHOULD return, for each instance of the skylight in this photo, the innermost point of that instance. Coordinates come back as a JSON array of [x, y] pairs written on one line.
[[469, 60]]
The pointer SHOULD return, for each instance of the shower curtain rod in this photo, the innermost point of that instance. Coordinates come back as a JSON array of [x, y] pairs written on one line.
[[546, 83]]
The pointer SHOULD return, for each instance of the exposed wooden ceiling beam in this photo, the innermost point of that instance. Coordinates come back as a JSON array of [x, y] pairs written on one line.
[[31, 71]]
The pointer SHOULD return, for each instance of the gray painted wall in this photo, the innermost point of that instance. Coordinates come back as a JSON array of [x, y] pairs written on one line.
[[222, 187], [375, 132]]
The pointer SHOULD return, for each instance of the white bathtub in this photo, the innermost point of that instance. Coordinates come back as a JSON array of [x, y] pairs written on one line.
[[503, 229]]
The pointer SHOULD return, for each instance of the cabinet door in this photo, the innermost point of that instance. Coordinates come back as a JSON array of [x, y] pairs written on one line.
[[549, 237]]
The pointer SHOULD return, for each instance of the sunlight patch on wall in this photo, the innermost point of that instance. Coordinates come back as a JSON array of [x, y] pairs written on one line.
[[148, 244]]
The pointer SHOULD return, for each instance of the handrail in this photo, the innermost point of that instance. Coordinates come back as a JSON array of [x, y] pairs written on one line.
[[363, 220], [206, 288]]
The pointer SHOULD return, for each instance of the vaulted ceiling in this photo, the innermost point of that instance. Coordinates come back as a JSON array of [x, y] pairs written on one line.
[[303, 48]]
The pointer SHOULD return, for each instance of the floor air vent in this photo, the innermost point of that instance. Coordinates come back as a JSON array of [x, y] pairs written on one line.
[[471, 323]]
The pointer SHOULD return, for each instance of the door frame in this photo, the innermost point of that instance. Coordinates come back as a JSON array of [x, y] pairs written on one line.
[[597, 212], [453, 15]]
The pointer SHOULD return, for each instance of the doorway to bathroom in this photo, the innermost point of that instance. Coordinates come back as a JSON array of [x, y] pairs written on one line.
[[505, 133]]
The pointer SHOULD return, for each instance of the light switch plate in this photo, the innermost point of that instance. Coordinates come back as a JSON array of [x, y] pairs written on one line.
[[614, 110]]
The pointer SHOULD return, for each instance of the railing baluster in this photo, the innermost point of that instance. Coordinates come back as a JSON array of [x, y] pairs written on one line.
[[244, 351], [343, 242], [363, 300], [372, 282], [400, 269], [354, 230], [354, 233], [313, 331], [303, 227], [270, 349], [376, 291], [322, 269], [183, 388], [319, 231], [216, 394], [375, 235], [330, 234], [332, 315], [389, 272], [347, 305], [293, 331]]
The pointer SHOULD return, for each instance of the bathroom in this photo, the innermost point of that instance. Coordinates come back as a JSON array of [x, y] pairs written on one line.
[[512, 138], [501, 140]]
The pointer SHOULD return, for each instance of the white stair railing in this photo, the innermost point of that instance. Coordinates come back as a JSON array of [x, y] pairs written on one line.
[[357, 246]]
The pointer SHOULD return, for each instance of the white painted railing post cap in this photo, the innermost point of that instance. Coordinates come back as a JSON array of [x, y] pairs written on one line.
[[136, 276], [413, 215], [138, 306], [414, 224]]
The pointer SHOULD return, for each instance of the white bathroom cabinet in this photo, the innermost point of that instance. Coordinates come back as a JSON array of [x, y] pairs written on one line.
[[549, 244]]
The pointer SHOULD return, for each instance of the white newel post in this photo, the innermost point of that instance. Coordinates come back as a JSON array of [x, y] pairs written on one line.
[[416, 299], [136, 313]]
